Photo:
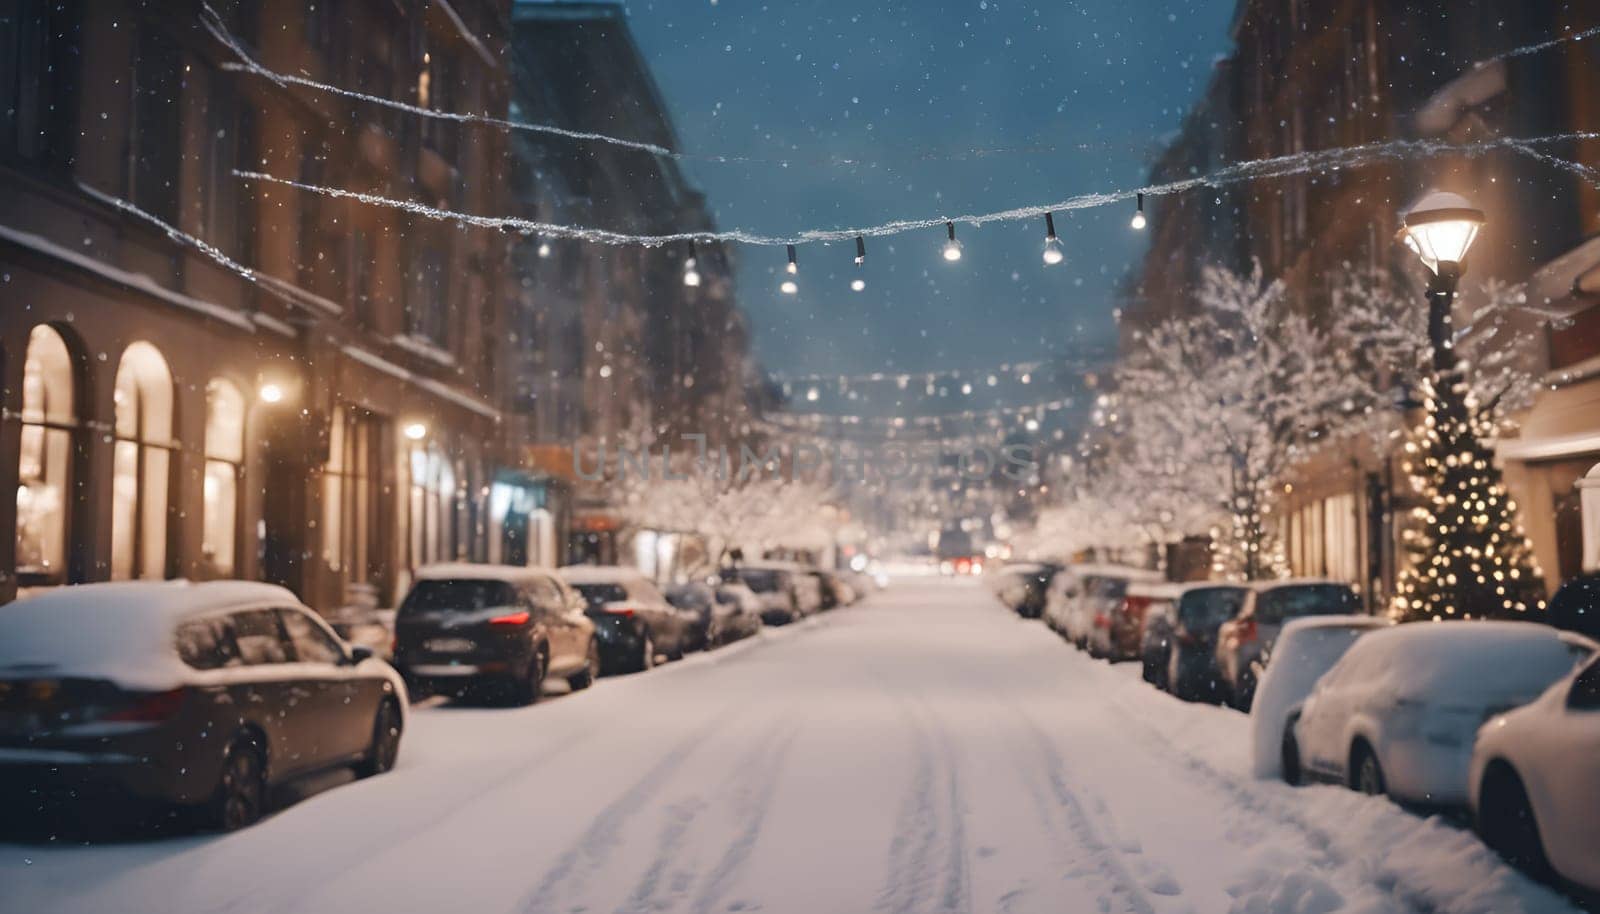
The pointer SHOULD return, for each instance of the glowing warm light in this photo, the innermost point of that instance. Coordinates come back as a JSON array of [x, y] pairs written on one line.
[[1440, 228], [271, 393], [858, 284], [416, 431], [789, 287], [1052, 252]]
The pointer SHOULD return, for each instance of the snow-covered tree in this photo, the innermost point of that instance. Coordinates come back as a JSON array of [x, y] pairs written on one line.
[[1220, 405]]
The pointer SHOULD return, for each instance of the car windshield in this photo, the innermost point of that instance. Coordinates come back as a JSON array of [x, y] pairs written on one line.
[[761, 580], [1281, 603], [689, 597], [599, 594], [465, 595], [1209, 607]]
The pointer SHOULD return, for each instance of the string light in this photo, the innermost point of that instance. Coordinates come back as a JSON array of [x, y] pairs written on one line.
[[544, 249], [691, 271], [1138, 215], [1052, 245], [789, 286], [860, 282], [952, 248]]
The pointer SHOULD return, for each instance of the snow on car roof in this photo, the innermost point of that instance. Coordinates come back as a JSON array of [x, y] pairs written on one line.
[[122, 631], [1115, 571], [1345, 621], [599, 574], [1468, 656], [1259, 586], [470, 571]]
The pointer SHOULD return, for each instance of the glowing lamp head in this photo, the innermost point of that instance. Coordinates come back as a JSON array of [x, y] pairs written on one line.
[[416, 431], [1052, 252], [271, 393], [857, 284], [789, 287], [544, 249], [952, 247], [1138, 221], [691, 273], [1440, 228]]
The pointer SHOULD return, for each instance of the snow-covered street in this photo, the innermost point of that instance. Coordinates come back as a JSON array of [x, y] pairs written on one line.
[[923, 751]]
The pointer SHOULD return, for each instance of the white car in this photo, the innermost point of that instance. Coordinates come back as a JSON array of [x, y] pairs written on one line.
[[1535, 781], [1306, 649], [1398, 713]]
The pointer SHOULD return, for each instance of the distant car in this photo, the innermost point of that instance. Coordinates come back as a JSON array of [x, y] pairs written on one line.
[[493, 631], [774, 587], [162, 694], [1398, 713], [832, 591], [1025, 587], [633, 622], [1155, 635], [1124, 627], [1104, 590], [723, 615], [1533, 781], [1307, 648], [1191, 662], [1245, 641]]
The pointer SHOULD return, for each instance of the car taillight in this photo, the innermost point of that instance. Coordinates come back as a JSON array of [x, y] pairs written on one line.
[[1247, 630], [148, 707], [1101, 621], [620, 609], [517, 618]]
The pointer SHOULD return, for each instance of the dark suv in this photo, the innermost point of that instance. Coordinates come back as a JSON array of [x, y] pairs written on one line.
[[491, 632]]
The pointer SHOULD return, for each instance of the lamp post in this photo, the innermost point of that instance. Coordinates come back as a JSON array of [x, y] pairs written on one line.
[[1440, 229]]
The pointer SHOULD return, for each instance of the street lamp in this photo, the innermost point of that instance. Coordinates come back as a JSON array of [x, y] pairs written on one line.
[[1440, 229]]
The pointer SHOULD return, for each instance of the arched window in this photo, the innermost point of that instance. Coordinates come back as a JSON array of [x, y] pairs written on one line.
[[224, 455], [45, 458], [141, 464]]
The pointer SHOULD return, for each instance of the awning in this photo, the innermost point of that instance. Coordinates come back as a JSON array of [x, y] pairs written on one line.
[[1548, 448], [1568, 284]]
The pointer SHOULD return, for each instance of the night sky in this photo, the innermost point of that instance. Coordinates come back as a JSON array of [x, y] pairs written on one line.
[[910, 87]]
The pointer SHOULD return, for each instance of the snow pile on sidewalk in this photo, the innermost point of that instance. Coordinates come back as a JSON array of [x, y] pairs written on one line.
[[1428, 863]]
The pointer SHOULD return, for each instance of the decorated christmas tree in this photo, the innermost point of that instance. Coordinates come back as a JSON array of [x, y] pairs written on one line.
[[1469, 558]]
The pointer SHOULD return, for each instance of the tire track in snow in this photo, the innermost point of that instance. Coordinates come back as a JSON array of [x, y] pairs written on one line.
[[922, 836], [753, 804], [588, 854], [751, 782], [1106, 855]]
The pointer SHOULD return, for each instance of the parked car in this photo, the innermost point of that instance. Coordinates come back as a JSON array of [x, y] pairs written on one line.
[[832, 591], [495, 631], [1060, 597], [1155, 635], [1576, 605], [787, 592], [1191, 661], [1245, 641], [723, 615], [1124, 619], [1533, 781], [1103, 591], [1025, 587], [178, 694], [634, 623], [1307, 648], [1398, 713]]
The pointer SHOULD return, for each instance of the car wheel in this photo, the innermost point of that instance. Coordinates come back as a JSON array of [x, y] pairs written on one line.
[[591, 669], [1366, 775], [529, 688], [241, 794], [1289, 757], [385, 741], [1506, 822]]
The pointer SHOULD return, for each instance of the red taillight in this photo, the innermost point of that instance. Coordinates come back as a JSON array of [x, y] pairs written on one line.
[[1247, 630], [620, 609], [148, 707], [516, 618], [1101, 620]]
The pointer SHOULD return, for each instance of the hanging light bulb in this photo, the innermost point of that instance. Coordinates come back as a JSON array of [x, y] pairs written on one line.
[[544, 248], [789, 286], [691, 268], [1052, 245], [859, 282], [952, 248], [1138, 214]]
